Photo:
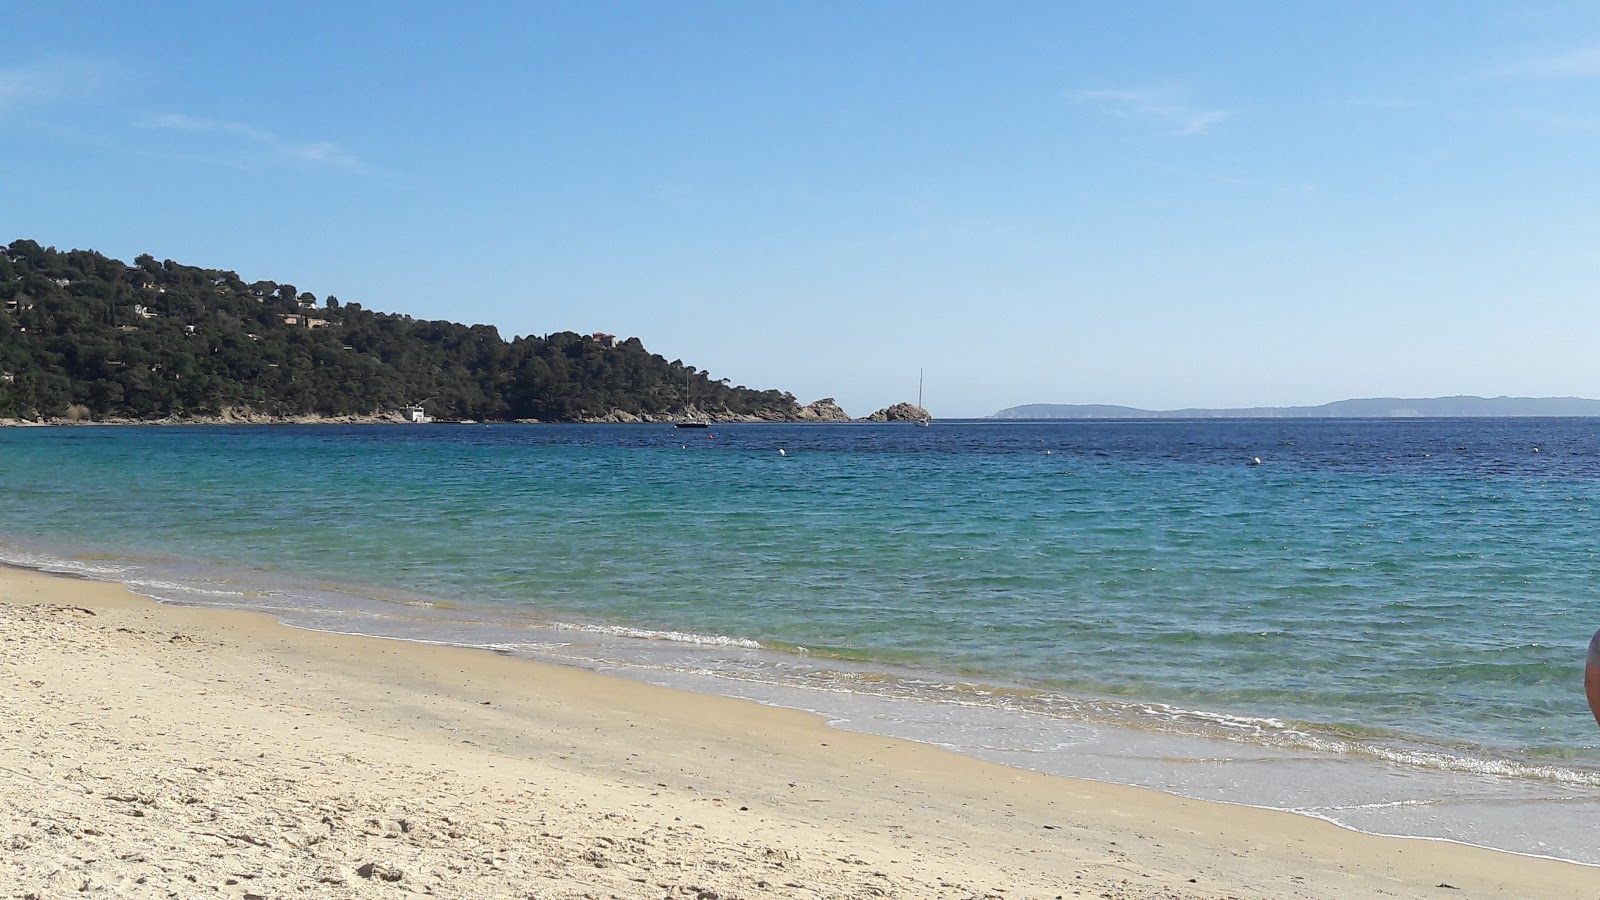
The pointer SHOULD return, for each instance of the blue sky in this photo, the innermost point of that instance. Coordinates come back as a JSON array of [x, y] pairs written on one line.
[[1159, 205]]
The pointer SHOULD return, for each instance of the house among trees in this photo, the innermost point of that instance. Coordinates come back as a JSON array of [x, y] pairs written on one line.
[[298, 321], [603, 339]]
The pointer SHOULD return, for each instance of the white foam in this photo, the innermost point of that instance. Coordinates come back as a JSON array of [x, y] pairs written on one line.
[[679, 637], [16, 556], [140, 585], [1226, 720]]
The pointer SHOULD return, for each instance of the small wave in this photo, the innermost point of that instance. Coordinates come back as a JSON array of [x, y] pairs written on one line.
[[63, 566], [1163, 718], [140, 585], [679, 637], [1380, 746], [1440, 761], [1321, 811], [1257, 724]]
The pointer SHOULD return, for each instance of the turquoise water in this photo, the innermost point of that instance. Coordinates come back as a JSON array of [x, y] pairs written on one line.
[[1382, 619]]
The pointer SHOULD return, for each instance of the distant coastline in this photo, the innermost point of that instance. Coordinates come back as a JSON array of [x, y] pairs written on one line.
[[1464, 406]]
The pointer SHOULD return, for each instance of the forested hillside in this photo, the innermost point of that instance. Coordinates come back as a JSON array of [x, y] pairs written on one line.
[[83, 335]]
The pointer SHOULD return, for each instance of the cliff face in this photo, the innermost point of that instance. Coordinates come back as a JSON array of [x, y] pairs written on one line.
[[900, 412]]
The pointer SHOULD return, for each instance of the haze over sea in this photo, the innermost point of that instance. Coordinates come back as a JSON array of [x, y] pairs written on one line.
[[1382, 624]]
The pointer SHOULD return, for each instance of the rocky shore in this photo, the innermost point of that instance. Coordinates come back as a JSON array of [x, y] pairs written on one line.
[[824, 410], [226, 417], [900, 412]]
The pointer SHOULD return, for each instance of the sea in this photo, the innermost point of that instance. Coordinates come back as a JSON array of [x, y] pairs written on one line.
[[1381, 623]]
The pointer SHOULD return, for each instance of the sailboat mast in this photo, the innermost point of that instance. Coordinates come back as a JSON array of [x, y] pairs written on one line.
[[919, 388]]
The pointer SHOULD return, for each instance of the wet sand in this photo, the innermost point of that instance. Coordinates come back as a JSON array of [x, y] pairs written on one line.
[[156, 751]]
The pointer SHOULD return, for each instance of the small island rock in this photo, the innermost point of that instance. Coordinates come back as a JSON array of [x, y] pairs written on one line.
[[824, 410], [900, 412]]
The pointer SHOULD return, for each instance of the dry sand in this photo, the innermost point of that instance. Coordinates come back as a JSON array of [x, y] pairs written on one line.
[[154, 751]]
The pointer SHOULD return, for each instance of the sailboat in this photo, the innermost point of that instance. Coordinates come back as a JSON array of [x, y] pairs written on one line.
[[687, 406], [923, 421]]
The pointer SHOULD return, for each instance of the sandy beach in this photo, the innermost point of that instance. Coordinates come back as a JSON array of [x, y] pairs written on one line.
[[159, 751]]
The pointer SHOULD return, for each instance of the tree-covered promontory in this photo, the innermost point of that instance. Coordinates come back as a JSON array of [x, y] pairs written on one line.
[[83, 335]]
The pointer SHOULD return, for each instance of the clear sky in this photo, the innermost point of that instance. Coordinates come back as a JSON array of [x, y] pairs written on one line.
[[1152, 204]]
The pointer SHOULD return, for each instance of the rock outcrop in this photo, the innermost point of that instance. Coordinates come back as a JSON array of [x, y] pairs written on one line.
[[228, 416], [824, 410], [900, 412], [690, 413], [616, 417]]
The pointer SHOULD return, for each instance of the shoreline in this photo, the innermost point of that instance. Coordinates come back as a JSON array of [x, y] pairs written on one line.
[[1399, 783], [1475, 799], [215, 421], [169, 688], [807, 415]]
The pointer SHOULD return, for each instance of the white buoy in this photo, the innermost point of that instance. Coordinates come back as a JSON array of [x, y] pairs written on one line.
[[781, 453], [1255, 460], [1047, 453]]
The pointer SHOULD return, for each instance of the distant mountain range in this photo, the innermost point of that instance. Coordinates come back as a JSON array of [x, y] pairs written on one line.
[[1369, 408]]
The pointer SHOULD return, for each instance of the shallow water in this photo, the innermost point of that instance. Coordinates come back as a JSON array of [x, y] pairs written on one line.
[[1383, 623]]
